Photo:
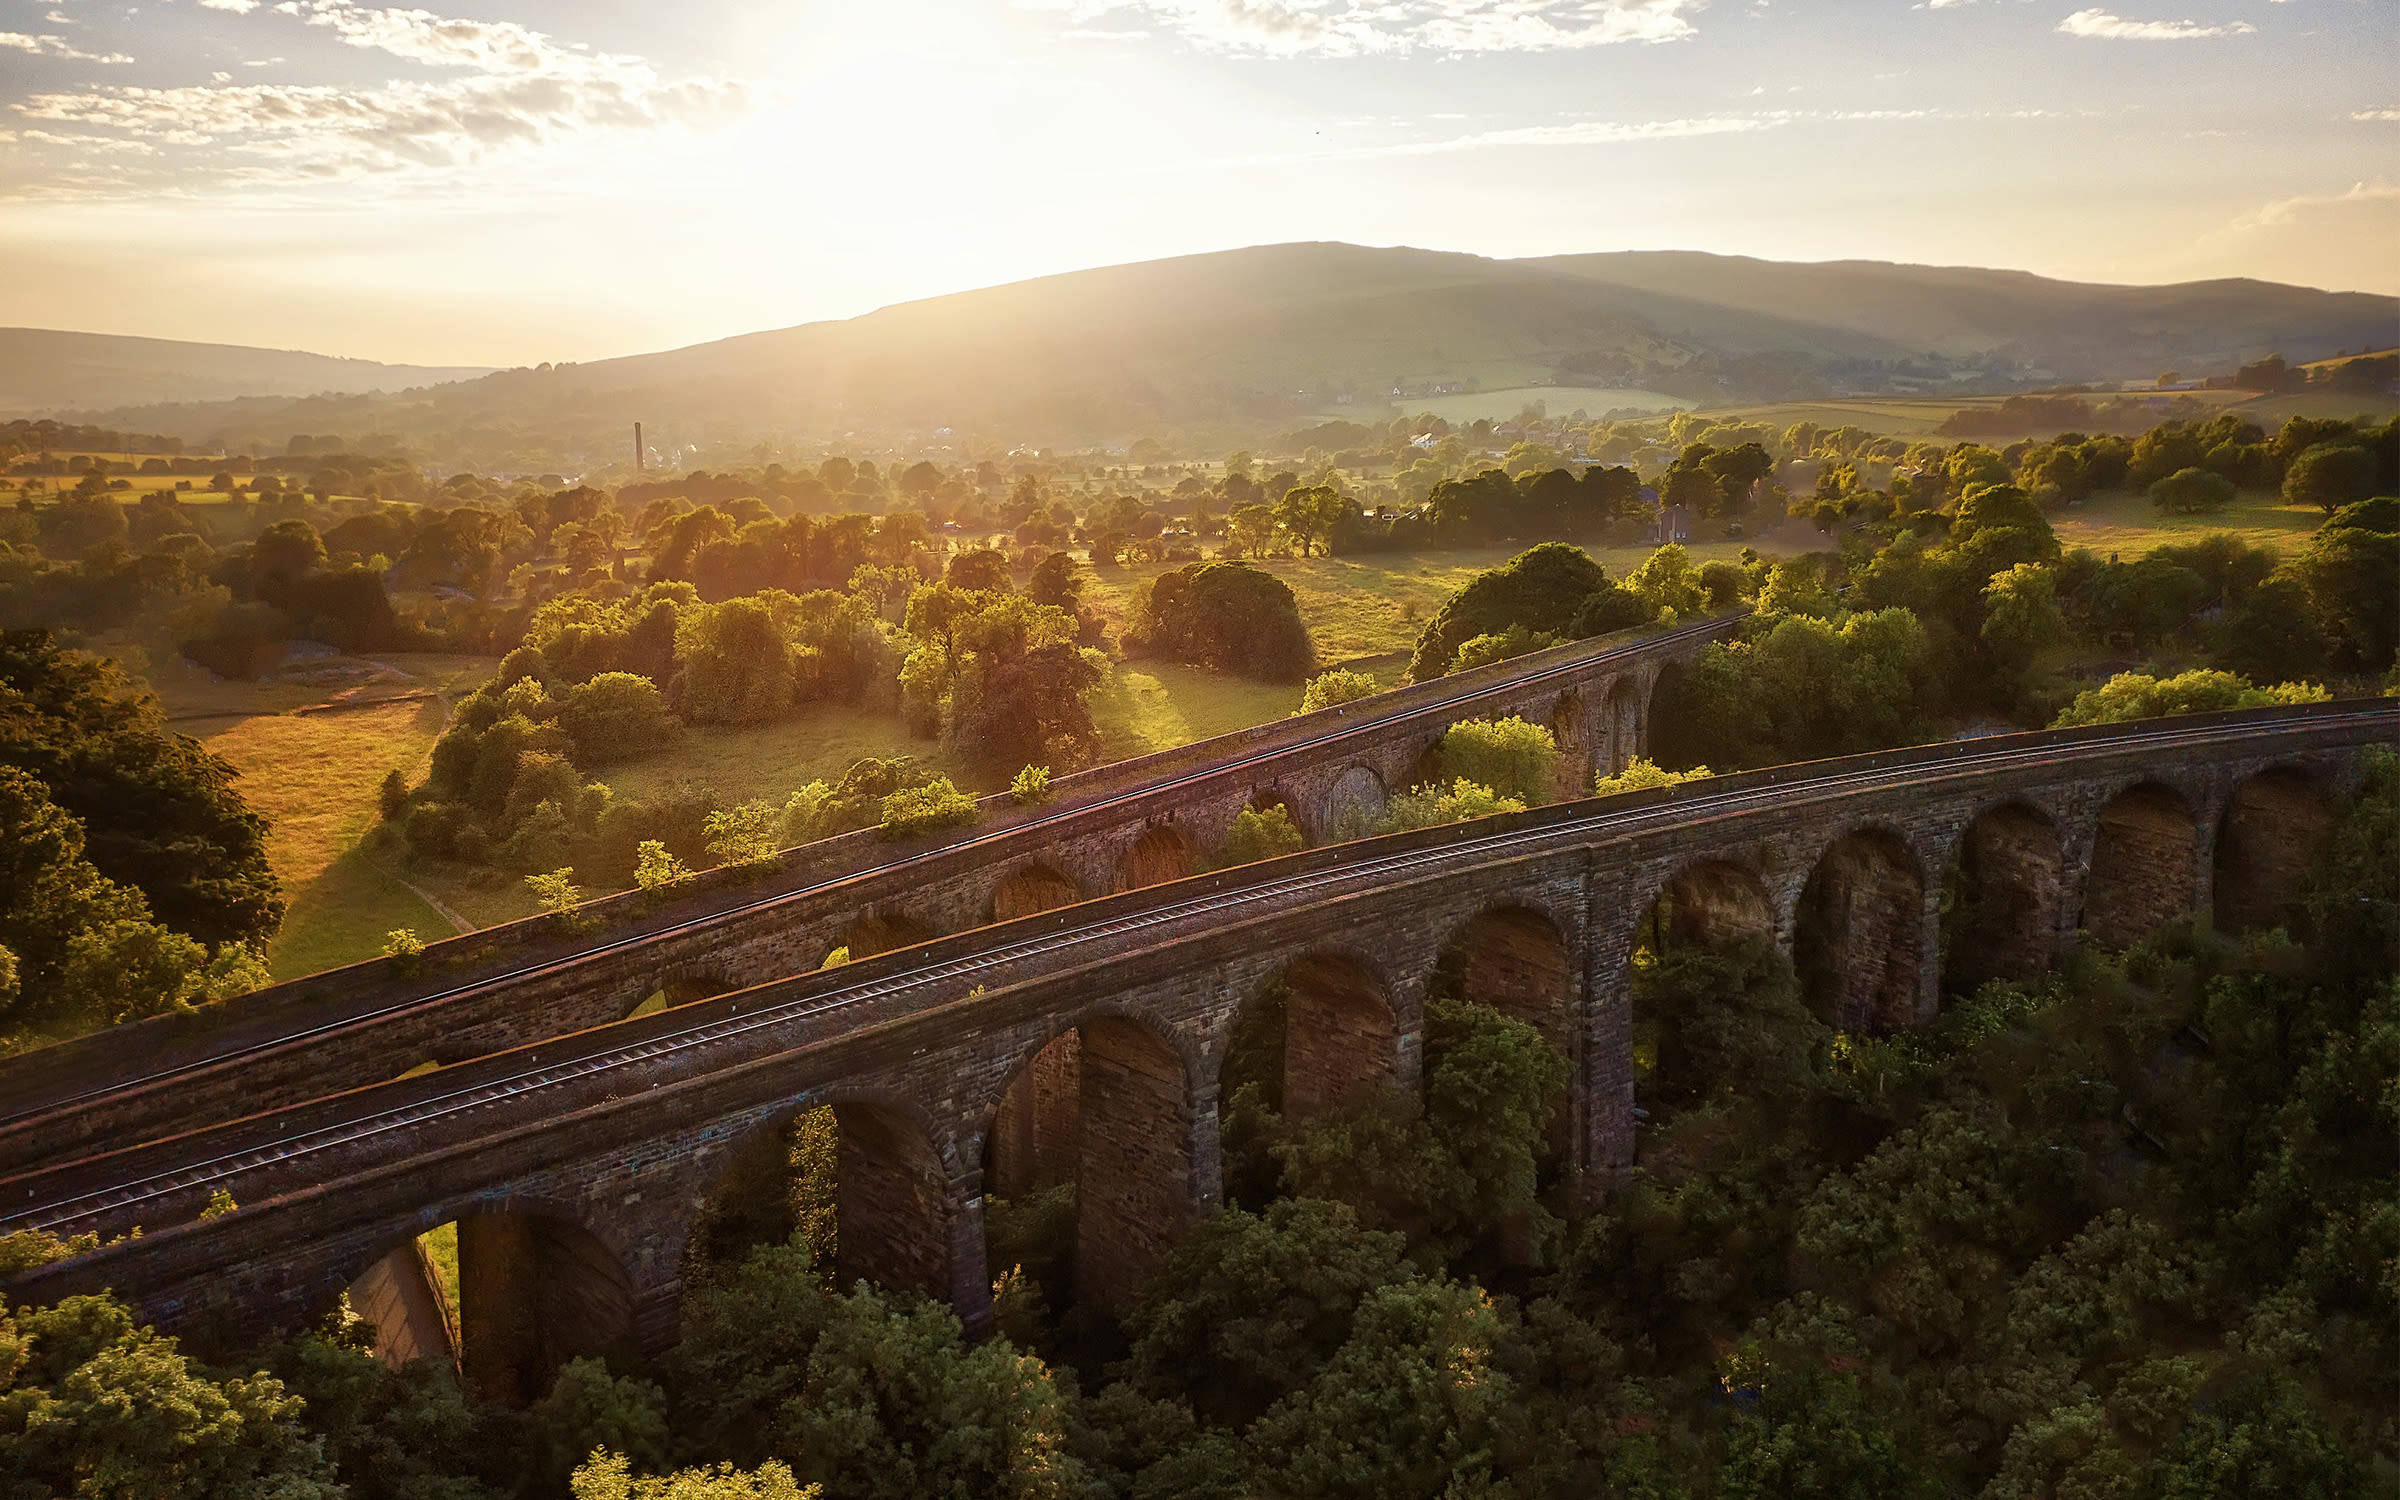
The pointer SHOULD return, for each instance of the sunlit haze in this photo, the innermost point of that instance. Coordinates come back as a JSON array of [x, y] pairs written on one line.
[[507, 183]]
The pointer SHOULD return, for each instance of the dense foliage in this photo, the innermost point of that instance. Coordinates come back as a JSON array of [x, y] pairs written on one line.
[[1225, 615]]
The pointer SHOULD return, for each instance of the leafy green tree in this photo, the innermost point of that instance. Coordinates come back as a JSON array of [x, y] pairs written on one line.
[[2137, 695], [617, 716], [92, 1404], [2021, 618], [2329, 476], [610, 1476], [1432, 806], [160, 813], [1226, 616], [1642, 774], [1669, 585], [1259, 833], [2190, 492], [1309, 515], [588, 1410], [1539, 589], [912, 812], [1327, 689], [744, 834], [2351, 567], [1818, 1437], [2272, 635], [1489, 649], [1517, 759], [736, 667]]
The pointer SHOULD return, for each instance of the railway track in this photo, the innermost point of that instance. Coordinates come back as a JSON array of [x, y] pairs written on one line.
[[65, 1195]]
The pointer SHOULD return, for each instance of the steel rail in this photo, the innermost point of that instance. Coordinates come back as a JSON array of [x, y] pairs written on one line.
[[701, 923], [1377, 869]]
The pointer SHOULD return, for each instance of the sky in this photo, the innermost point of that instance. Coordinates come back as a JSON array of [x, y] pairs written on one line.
[[515, 181]]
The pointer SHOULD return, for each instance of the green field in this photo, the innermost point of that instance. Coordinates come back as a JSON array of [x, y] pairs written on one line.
[[2130, 526], [1501, 405]]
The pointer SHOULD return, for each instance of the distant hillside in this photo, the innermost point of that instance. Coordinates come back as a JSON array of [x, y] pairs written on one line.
[[44, 371], [1252, 339]]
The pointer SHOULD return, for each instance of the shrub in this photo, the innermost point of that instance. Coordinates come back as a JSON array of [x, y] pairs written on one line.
[[745, 834], [403, 950], [391, 799], [1430, 806], [557, 891], [1484, 650], [1260, 833], [1514, 758], [2136, 695], [926, 809], [654, 867], [1338, 686], [1641, 775], [1032, 786]]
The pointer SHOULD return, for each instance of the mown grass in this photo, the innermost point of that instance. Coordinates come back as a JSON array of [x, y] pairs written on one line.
[[774, 760]]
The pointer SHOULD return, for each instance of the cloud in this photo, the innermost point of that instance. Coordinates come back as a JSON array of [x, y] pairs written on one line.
[[2375, 114], [238, 7], [508, 87], [2341, 241], [2099, 23], [1360, 28], [51, 46]]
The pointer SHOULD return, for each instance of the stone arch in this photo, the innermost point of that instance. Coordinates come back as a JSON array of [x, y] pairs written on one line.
[[883, 932], [1678, 733], [1317, 1032], [2276, 825], [1034, 1137], [509, 1295], [1030, 889], [857, 1174], [1268, 797], [1620, 726], [2143, 862], [1353, 803], [1709, 903], [1860, 938], [1426, 768], [1514, 958], [2007, 897], [682, 989], [1571, 728], [1161, 854]]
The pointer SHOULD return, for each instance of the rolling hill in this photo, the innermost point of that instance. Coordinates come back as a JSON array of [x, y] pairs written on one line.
[[45, 372], [1245, 339]]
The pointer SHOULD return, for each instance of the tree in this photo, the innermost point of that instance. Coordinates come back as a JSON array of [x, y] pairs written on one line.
[[736, 665], [1259, 833], [913, 811], [1517, 759], [1327, 689], [91, 1404], [983, 568], [160, 813], [1309, 514], [615, 717], [2137, 695], [1431, 806], [2189, 492], [1249, 530], [1057, 581], [1642, 775], [2329, 476], [744, 834], [2021, 617], [1226, 616], [609, 1476], [1541, 589], [1668, 585], [2351, 568]]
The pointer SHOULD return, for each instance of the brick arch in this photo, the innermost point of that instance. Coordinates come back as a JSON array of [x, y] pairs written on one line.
[[1353, 800], [1032, 887], [1709, 902], [889, 1169], [2007, 883], [2274, 826], [1859, 935], [1620, 735], [1516, 957], [2144, 852], [1318, 1030], [681, 986], [1162, 853], [1267, 797], [536, 1288], [876, 932]]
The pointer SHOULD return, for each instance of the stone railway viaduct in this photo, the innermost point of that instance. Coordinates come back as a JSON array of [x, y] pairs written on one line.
[[1088, 1042], [1119, 827]]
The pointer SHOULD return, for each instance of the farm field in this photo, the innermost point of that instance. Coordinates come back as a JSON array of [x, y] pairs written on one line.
[[1500, 405], [2130, 525]]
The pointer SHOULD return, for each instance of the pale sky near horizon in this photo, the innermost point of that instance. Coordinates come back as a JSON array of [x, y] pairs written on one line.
[[511, 181]]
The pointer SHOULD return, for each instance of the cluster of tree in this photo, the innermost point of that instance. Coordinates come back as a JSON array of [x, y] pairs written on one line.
[[2363, 373], [1555, 592], [132, 878], [1227, 616], [2117, 1232]]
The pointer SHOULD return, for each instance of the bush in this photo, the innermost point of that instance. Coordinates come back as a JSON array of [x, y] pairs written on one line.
[[1430, 806], [1512, 757], [1338, 686], [1260, 833], [1031, 788], [2136, 695], [391, 798], [2190, 492], [1641, 775], [654, 867], [557, 891], [403, 950], [926, 809], [1515, 641], [745, 834]]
